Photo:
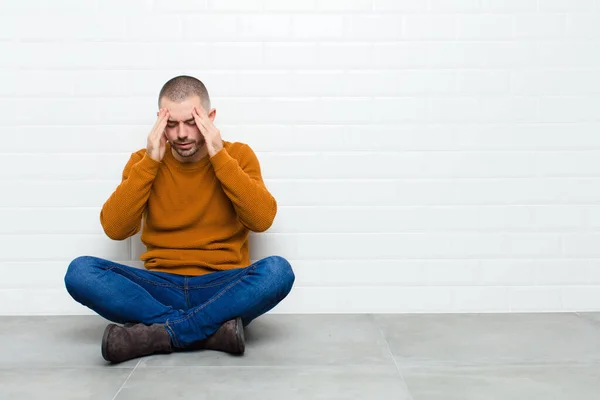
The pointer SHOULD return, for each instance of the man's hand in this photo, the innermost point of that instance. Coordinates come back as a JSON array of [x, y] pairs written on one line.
[[212, 136], [157, 138]]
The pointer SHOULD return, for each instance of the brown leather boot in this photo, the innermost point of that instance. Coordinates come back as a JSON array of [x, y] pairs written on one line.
[[229, 338], [121, 343]]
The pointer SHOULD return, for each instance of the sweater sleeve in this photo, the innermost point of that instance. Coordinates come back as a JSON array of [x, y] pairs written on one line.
[[121, 214], [242, 182]]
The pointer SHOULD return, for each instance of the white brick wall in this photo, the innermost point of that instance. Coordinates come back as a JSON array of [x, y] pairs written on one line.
[[427, 155]]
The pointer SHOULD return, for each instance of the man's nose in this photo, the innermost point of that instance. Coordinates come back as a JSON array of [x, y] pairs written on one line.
[[181, 131]]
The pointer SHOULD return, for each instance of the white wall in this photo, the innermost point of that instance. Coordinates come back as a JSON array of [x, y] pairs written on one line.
[[427, 155]]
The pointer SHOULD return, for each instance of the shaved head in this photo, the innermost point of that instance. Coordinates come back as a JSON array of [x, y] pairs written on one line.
[[183, 87]]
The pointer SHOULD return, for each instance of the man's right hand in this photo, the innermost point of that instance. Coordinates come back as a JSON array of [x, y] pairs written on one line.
[[157, 139]]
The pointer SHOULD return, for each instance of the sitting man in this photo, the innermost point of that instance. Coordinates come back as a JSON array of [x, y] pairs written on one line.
[[198, 196]]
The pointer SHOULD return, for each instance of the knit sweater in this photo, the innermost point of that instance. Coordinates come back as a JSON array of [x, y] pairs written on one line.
[[196, 216]]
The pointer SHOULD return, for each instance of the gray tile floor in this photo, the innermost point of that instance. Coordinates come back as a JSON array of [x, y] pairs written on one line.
[[342, 356]]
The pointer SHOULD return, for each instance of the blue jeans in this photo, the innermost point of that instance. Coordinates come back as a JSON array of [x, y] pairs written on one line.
[[191, 307]]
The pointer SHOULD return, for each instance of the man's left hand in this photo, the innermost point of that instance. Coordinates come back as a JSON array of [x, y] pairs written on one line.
[[212, 136]]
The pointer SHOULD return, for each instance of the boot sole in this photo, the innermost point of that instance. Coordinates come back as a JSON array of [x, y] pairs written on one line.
[[107, 331]]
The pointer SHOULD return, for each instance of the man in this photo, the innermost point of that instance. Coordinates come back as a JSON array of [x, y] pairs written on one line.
[[198, 196]]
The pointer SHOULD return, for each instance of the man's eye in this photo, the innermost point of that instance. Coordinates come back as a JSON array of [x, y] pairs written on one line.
[[171, 125], [191, 122]]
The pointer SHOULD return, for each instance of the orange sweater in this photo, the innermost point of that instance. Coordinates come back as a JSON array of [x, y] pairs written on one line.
[[196, 216]]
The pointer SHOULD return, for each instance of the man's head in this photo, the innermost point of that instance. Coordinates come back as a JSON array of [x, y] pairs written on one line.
[[179, 95]]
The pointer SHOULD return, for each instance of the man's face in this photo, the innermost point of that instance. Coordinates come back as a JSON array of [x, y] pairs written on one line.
[[181, 130]]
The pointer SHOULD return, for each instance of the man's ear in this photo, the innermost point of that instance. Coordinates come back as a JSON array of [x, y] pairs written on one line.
[[212, 114]]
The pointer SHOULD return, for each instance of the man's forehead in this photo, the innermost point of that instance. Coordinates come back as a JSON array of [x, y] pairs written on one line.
[[180, 112], [185, 117]]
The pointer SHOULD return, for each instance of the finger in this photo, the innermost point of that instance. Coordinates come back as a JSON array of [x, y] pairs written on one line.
[[162, 124], [202, 111], [164, 120], [162, 113], [198, 118], [157, 122]]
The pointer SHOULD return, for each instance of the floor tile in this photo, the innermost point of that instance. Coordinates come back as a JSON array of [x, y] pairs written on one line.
[[475, 339], [591, 316], [54, 341], [296, 340], [501, 383], [94, 383], [265, 383]]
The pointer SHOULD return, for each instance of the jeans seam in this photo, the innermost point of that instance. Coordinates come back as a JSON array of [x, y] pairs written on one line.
[[212, 300], [186, 294], [217, 296], [219, 282], [134, 276], [221, 293], [172, 334]]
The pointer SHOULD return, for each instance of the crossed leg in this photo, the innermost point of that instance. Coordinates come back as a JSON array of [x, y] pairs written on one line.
[[191, 308]]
